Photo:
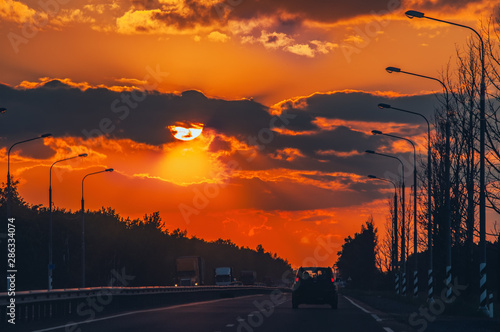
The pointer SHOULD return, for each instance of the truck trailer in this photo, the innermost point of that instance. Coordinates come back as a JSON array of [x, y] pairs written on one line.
[[190, 271]]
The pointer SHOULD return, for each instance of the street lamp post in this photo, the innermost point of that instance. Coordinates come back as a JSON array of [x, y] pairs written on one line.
[[9, 189], [395, 233], [482, 185], [403, 242], [83, 223], [415, 242], [430, 281], [447, 179], [50, 266]]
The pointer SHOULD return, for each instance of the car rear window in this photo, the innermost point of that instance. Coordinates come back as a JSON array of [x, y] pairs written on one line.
[[315, 273]]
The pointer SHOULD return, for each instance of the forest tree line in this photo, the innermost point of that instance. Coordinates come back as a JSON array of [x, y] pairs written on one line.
[[141, 248]]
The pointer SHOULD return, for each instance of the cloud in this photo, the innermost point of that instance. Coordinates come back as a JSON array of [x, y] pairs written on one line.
[[318, 10], [16, 11], [272, 40], [279, 40], [322, 133], [301, 49], [217, 36], [84, 111]]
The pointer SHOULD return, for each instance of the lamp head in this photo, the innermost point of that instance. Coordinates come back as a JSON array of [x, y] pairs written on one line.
[[381, 106], [413, 13], [45, 135], [393, 70], [369, 151], [376, 132], [109, 170], [83, 155]]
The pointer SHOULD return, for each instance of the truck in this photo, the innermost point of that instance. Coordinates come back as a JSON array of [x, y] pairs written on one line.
[[248, 277], [223, 276], [190, 270]]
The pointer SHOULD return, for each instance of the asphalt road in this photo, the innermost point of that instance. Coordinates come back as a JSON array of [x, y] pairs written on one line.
[[243, 314]]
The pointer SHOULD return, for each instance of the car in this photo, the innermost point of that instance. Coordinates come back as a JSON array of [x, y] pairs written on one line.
[[314, 285]]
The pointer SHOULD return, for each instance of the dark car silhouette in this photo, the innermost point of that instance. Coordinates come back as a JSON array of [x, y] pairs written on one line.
[[314, 285]]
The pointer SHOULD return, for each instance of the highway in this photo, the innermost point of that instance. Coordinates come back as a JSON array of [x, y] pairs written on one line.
[[271, 312]]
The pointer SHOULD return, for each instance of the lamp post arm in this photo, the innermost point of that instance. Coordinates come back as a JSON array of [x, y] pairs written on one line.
[[55, 162], [459, 25], [20, 142], [427, 77], [415, 113]]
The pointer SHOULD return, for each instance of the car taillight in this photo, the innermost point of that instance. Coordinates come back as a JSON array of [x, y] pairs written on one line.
[[297, 280], [333, 280]]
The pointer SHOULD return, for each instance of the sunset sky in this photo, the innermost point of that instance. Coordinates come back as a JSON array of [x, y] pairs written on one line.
[[286, 92]]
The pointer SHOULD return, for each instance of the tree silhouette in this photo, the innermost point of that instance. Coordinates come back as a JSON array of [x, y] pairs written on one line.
[[357, 259]]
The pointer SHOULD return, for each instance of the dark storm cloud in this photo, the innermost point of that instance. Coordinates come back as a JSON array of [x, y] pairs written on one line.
[[361, 106], [193, 14], [62, 110], [189, 13], [66, 111], [446, 4], [318, 10]]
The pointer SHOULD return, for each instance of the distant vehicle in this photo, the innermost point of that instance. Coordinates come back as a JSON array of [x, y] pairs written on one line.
[[190, 270], [248, 277], [223, 276], [314, 285]]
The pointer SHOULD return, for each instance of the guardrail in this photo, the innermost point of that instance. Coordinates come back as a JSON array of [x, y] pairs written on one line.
[[85, 303]]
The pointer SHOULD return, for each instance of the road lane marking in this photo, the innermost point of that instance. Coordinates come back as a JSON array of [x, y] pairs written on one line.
[[140, 312], [357, 305], [377, 318]]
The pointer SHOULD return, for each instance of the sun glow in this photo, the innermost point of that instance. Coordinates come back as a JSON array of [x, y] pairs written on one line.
[[186, 132], [186, 163]]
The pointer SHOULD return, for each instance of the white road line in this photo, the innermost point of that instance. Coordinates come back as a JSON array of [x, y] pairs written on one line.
[[377, 318], [138, 312], [357, 305], [388, 329]]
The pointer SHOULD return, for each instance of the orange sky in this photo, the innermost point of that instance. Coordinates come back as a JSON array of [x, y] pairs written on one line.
[[290, 194]]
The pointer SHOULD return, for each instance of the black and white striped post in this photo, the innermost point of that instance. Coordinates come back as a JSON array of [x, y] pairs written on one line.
[[483, 294], [448, 282], [396, 282], [403, 284], [415, 283], [430, 286]]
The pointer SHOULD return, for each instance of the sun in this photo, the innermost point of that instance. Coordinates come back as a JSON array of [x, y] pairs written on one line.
[[186, 131], [187, 163]]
